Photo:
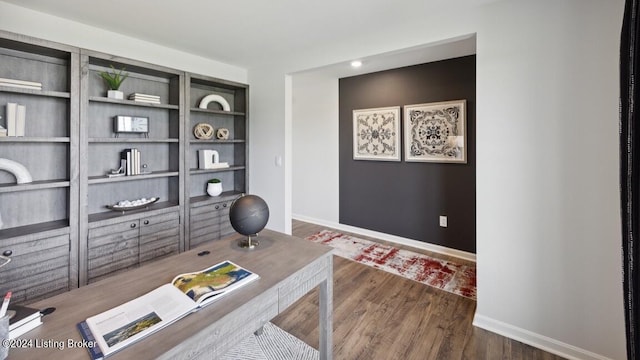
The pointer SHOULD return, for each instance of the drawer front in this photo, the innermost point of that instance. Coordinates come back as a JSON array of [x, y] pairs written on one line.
[[114, 229], [156, 227]]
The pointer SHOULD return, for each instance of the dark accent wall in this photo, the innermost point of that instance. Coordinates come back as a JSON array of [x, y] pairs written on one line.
[[407, 198]]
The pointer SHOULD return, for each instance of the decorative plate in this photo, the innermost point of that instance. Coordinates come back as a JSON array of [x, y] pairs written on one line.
[[127, 205]]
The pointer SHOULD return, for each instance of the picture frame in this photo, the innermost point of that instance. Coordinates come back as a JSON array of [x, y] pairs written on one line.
[[376, 134], [436, 132]]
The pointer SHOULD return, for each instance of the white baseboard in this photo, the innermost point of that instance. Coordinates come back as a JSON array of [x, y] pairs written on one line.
[[391, 238], [536, 340]]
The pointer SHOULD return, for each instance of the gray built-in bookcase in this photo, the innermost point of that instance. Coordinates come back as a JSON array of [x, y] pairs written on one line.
[[57, 229], [232, 151]]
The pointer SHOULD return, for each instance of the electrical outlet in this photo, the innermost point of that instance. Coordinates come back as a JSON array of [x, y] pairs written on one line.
[[443, 221]]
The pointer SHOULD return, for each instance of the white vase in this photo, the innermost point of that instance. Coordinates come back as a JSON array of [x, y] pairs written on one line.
[[214, 189], [115, 94]]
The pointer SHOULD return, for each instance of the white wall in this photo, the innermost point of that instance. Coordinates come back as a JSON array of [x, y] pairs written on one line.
[[269, 144], [28, 22], [548, 223], [315, 146]]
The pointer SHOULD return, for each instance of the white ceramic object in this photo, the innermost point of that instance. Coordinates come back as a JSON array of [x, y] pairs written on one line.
[[115, 94], [18, 170], [214, 189], [215, 98]]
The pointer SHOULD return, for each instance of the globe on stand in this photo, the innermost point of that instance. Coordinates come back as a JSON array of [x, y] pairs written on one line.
[[248, 216]]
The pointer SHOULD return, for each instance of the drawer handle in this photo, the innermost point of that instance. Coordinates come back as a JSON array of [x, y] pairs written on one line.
[[7, 253], [146, 222], [133, 225], [217, 207], [224, 205]]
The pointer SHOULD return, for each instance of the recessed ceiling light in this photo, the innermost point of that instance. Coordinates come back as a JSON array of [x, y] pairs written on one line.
[[356, 63]]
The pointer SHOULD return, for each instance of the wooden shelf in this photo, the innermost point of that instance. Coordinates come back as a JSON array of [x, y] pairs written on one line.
[[206, 171], [218, 112], [47, 93], [109, 214], [206, 199], [154, 175], [36, 185], [29, 139], [132, 140], [132, 103], [233, 141], [58, 227]]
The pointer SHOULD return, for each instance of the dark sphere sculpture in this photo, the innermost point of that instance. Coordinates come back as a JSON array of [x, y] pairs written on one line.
[[248, 216]]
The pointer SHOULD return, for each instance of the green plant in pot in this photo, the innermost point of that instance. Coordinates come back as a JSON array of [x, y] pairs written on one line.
[[114, 79], [214, 187]]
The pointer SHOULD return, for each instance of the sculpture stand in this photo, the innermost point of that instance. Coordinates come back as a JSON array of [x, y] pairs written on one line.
[[247, 243]]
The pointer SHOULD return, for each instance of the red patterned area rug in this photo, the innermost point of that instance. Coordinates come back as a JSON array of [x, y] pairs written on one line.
[[445, 275]]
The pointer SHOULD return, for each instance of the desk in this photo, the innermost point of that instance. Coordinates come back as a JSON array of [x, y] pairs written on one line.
[[289, 268]]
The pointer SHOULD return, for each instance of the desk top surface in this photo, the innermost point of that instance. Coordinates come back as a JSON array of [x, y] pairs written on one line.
[[276, 258]]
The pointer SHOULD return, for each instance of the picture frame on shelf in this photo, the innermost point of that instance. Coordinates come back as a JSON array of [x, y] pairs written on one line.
[[376, 134], [436, 132]]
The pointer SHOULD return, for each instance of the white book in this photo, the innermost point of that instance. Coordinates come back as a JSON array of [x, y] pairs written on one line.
[[145, 95], [21, 86], [137, 162], [12, 114], [147, 101], [20, 120], [20, 82]]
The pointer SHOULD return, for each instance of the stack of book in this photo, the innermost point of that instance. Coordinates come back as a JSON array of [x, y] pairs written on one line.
[[15, 120], [130, 161], [22, 84], [22, 319], [151, 99]]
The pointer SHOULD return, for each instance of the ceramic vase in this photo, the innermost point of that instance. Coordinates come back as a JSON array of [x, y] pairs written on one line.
[[115, 94], [214, 189]]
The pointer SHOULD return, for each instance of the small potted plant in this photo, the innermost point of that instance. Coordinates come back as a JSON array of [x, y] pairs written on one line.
[[214, 187], [114, 79]]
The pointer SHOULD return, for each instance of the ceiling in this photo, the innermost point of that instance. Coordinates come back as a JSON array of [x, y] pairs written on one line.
[[247, 33]]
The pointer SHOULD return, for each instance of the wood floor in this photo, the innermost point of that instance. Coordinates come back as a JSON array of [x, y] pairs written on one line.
[[377, 315]]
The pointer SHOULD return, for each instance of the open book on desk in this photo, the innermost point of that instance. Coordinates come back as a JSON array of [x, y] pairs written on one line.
[[125, 324]]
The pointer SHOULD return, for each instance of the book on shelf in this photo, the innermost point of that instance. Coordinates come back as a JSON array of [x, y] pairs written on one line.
[[12, 115], [22, 319], [21, 84], [20, 119], [132, 321], [15, 119], [153, 99], [130, 161]]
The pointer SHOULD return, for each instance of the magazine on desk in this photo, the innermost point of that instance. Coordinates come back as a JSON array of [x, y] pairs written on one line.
[[125, 324]]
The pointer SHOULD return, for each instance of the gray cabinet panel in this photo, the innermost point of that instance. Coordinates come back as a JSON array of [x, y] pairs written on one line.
[[37, 264]]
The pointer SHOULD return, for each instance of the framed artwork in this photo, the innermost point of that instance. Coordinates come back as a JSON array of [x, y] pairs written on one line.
[[436, 132], [376, 134]]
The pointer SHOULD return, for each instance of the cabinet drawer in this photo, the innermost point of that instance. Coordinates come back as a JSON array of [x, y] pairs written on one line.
[[151, 221], [114, 228], [210, 208], [154, 227]]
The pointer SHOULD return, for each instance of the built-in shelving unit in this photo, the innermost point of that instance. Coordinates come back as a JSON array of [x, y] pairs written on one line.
[[102, 148], [233, 150], [39, 218], [58, 229]]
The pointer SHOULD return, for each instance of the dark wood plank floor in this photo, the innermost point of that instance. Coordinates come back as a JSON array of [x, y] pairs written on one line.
[[378, 315]]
